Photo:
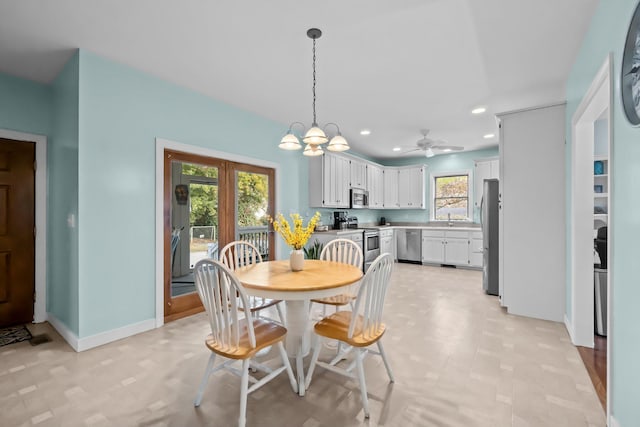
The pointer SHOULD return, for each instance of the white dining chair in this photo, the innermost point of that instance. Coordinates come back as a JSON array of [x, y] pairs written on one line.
[[233, 336], [345, 251], [240, 254], [360, 328]]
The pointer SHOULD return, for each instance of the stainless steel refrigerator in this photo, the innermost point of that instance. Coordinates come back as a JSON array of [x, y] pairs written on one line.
[[489, 222]]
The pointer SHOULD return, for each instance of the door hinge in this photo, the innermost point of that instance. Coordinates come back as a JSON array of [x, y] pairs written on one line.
[[35, 232], [35, 165], [34, 295]]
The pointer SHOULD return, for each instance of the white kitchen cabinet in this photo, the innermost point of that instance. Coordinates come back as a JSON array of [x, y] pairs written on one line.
[[532, 212], [451, 247], [411, 191], [433, 249], [358, 174], [329, 178], [404, 188], [456, 251], [484, 169], [475, 249], [391, 188], [375, 186], [386, 241]]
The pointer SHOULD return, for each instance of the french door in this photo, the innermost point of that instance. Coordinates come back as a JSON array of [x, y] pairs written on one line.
[[209, 202]]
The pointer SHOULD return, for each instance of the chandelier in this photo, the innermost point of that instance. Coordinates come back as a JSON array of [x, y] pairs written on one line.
[[315, 136]]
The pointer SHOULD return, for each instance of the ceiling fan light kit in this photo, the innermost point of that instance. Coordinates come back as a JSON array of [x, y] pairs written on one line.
[[315, 136]]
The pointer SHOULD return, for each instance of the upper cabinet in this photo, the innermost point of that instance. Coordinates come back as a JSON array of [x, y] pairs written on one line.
[[358, 173], [484, 169], [404, 188], [375, 186], [390, 189], [329, 178], [411, 193]]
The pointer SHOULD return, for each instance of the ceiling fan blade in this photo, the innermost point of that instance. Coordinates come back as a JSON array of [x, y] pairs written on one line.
[[448, 147], [411, 151]]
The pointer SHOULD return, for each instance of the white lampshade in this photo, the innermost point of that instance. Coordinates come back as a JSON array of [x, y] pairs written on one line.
[[315, 136], [290, 142], [429, 153], [313, 150], [338, 143]]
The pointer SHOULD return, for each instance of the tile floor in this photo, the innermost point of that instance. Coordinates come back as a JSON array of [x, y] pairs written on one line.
[[458, 359]]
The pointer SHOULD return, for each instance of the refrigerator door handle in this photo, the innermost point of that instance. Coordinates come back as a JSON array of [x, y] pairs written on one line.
[[481, 203]]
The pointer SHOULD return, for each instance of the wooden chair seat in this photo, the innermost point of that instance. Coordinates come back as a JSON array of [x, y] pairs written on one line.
[[337, 300], [267, 333], [336, 327]]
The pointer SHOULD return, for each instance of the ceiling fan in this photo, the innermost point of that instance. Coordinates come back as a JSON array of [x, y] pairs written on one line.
[[428, 145]]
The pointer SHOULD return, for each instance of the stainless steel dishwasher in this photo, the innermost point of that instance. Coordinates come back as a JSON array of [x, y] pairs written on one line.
[[409, 245]]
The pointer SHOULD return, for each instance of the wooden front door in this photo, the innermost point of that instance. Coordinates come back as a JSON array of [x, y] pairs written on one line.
[[17, 241]]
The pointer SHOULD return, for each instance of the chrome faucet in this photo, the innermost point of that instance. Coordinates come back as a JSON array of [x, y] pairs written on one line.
[[450, 224]]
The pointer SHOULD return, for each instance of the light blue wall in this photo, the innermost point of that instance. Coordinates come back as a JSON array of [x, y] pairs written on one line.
[[122, 111], [62, 230], [607, 33], [25, 106]]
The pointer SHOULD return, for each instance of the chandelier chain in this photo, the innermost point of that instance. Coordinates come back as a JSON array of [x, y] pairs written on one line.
[[314, 81]]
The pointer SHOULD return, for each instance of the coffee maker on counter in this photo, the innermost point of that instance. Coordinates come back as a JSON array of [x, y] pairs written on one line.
[[339, 220]]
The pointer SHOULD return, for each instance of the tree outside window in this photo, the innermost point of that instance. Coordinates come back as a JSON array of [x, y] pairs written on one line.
[[451, 198]]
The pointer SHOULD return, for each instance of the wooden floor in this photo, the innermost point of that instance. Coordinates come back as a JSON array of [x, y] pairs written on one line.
[[595, 360]]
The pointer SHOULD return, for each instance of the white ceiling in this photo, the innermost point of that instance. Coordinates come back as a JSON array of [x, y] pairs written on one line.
[[393, 67]]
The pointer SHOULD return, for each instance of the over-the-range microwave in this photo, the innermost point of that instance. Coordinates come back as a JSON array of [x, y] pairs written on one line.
[[359, 199]]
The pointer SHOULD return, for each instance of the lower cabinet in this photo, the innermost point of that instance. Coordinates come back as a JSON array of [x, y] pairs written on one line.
[[475, 249], [451, 247], [386, 242]]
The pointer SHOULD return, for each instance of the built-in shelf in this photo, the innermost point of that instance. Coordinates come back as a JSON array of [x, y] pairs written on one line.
[[600, 216], [600, 195]]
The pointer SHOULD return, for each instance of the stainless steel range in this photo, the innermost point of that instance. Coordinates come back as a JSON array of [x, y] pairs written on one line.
[[371, 246]]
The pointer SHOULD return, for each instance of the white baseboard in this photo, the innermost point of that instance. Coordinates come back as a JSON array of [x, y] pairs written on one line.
[[115, 334], [69, 337], [569, 326], [86, 343]]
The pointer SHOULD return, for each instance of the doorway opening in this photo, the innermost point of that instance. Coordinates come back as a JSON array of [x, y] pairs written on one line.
[[207, 203], [591, 193]]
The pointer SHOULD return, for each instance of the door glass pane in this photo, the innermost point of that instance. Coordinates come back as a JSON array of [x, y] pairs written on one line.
[[194, 219], [252, 203]]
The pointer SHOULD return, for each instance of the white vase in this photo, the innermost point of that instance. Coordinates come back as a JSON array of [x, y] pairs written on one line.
[[296, 260]]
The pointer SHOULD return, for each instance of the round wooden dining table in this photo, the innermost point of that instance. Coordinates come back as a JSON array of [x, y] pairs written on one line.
[[276, 280]]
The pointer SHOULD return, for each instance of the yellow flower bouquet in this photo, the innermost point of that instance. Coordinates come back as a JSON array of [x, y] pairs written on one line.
[[297, 235]]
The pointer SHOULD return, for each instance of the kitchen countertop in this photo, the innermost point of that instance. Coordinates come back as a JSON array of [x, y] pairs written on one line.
[[416, 226]]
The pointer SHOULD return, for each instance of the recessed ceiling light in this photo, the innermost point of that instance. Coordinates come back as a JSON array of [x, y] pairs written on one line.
[[478, 110], [446, 150], [489, 136], [365, 132], [396, 148]]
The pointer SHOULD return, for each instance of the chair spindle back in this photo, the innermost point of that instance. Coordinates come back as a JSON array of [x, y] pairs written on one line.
[[370, 299], [239, 254], [345, 251], [223, 298]]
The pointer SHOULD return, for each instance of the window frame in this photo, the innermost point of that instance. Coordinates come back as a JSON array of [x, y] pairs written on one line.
[[432, 195]]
